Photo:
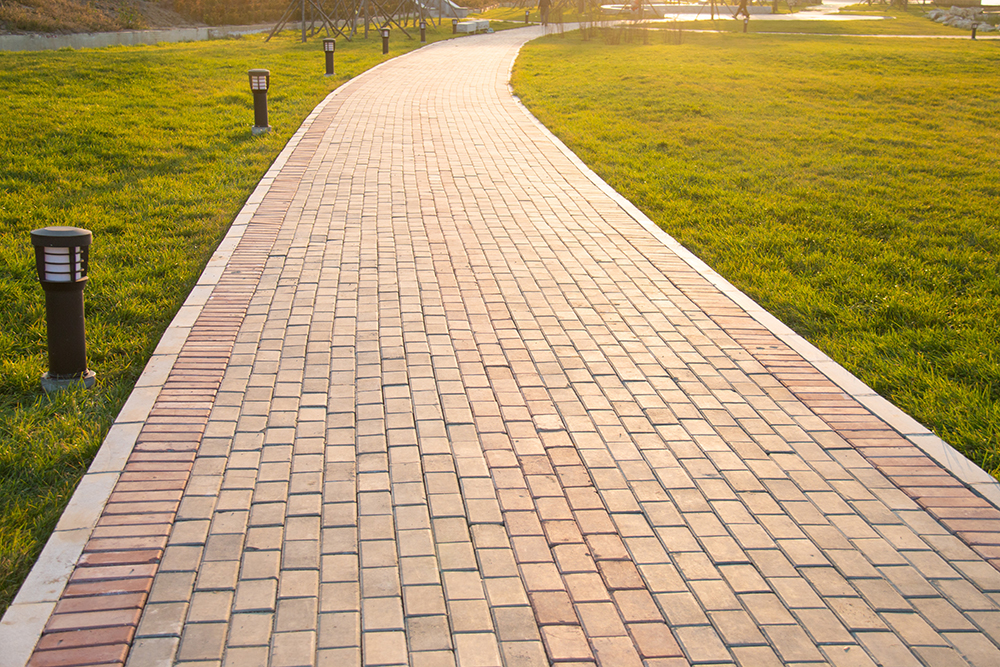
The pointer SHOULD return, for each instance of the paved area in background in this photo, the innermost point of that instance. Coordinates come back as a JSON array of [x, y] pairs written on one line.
[[449, 403]]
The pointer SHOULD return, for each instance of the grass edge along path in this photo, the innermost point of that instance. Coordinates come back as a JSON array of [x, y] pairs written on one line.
[[149, 147], [896, 21], [844, 186]]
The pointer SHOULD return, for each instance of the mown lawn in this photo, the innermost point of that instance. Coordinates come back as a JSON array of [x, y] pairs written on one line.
[[892, 21], [150, 149], [850, 186]]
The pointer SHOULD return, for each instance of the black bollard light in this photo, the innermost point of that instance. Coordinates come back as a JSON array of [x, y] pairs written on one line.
[[62, 260], [260, 81], [974, 30], [423, 32], [454, 26], [385, 41], [329, 48], [527, 14], [746, 22]]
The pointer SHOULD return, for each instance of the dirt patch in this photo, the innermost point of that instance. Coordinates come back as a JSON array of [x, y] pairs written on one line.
[[74, 16]]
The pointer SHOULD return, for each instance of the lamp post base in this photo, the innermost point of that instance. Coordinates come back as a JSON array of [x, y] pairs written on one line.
[[260, 130], [52, 384]]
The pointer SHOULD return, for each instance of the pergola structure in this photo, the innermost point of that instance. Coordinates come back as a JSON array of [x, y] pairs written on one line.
[[344, 18]]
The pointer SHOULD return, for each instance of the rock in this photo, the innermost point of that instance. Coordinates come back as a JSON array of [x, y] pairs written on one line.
[[962, 18]]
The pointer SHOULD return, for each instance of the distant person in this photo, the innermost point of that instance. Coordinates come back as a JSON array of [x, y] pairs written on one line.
[[742, 9], [543, 10]]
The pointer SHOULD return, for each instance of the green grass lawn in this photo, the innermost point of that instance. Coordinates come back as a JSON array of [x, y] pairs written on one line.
[[852, 187], [150, 149], [911, 21]]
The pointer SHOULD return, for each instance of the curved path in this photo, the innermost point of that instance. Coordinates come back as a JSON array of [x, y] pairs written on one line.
[[442, 398]]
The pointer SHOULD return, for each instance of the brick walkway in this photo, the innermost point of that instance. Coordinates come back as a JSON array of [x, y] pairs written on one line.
[[450, 404]]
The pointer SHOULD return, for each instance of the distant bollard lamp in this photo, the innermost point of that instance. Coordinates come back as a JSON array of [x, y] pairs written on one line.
[[61, 258], [329, 47], [527, 15], [746, 22], [260, 81], [423, 32], [454, 26], [385, 41]]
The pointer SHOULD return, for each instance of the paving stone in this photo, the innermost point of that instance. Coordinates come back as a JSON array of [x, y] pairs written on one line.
[[256, 656], [516, 625], [702, 644], [849, 655], [762, 656], [737, 628], [791, 643], [250, 629], [163, 620], [296, 615], [975, 648], [208, 606], [153, 651], [256, 595], [340, 630], [385, 648], [682, 609], [654, 641], [566, 642], [291, 649], [887, 648], [202, 641]]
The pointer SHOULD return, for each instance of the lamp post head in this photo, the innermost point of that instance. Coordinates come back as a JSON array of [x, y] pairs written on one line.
[[62, 254], [329, 45], [260, 79]]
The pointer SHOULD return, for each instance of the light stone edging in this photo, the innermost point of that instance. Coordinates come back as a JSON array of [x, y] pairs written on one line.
[[940, 451]]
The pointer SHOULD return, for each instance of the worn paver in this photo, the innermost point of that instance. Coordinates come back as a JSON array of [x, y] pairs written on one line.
[[451, 403]]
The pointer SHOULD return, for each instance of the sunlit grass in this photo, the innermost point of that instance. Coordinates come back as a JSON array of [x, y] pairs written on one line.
[[897, 21], [150, 149], [850, 187]]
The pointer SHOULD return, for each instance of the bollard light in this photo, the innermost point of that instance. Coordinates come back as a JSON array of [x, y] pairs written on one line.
[[454, 26], [62, 259], [974, 30], [423, 32], [385, 41], [260, 81], [329, 48], [746, 22], [527, 13]]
